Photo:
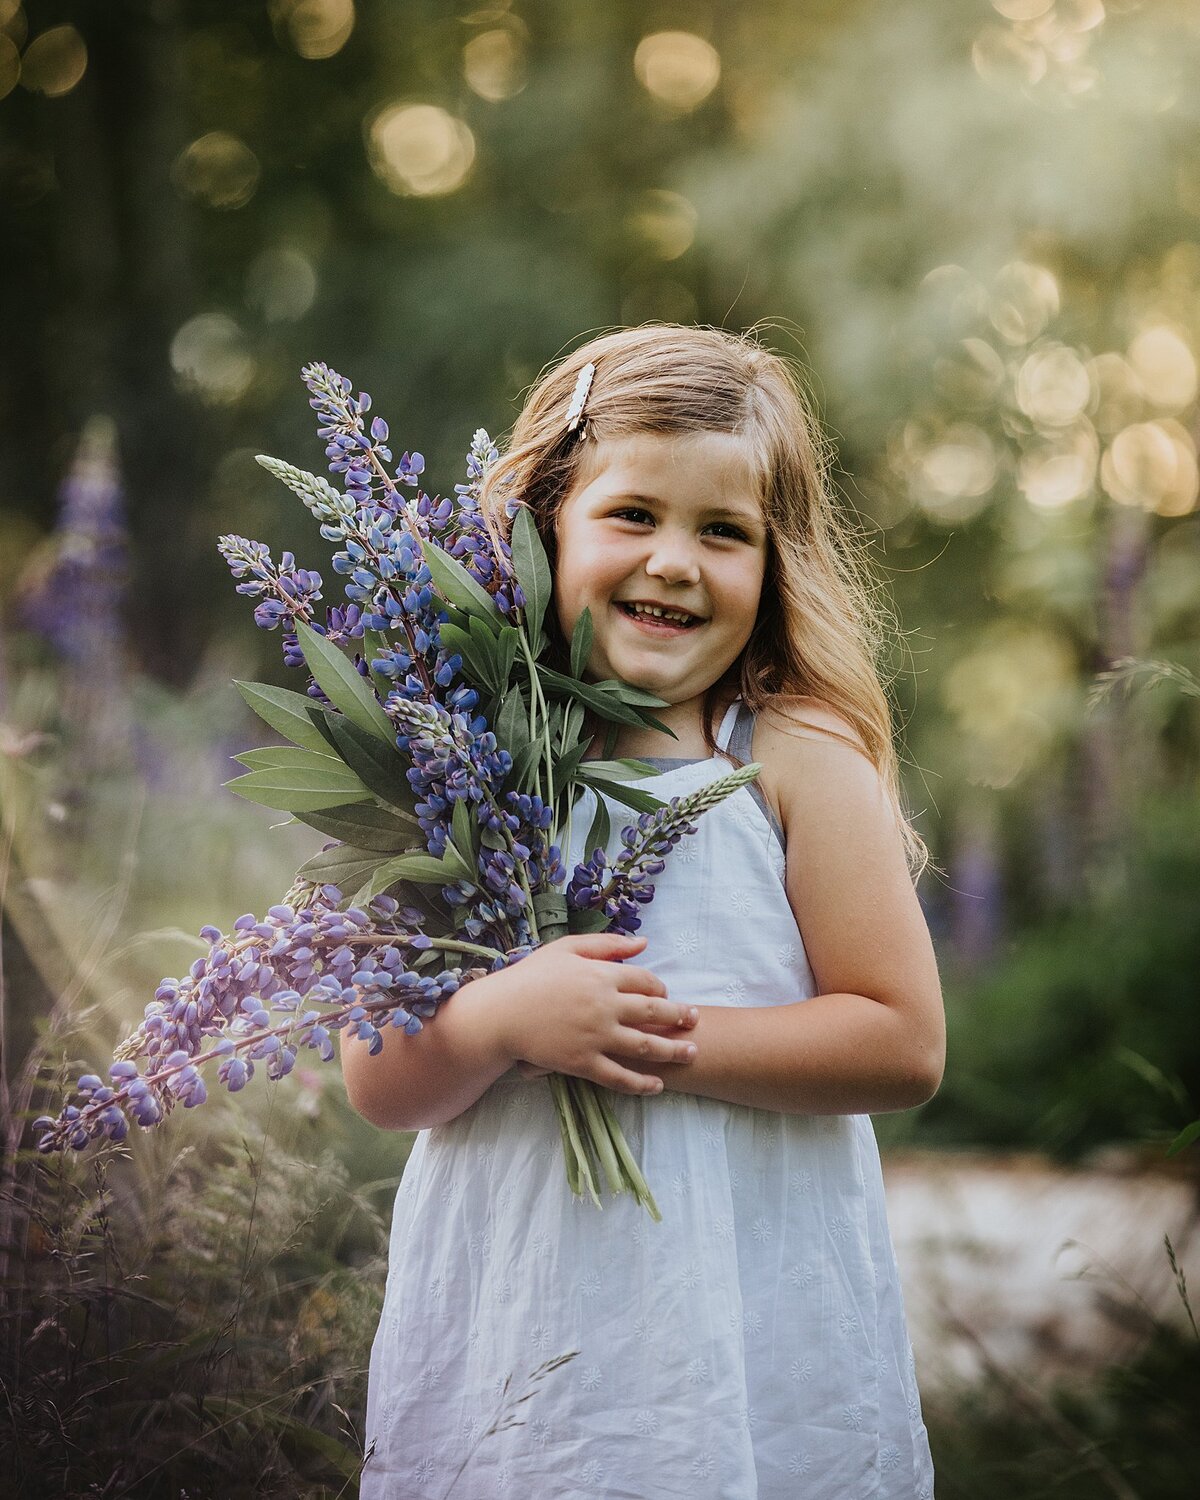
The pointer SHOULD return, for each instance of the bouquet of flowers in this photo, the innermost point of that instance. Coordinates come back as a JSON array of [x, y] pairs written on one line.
[[443, 758]]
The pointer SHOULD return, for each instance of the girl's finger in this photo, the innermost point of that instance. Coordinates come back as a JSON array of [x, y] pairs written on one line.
[[632, 981], [604, 944], [654, 1049], [651, 1009], [611, 1075]]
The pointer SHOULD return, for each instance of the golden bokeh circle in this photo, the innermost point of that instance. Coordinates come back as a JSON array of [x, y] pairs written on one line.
[[217, 169], [420, 150], [54, 62], [679, 68]]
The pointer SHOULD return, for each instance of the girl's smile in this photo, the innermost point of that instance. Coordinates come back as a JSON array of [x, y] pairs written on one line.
[[663, 539]]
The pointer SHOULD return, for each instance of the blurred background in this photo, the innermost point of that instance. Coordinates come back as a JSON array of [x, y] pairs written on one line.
[[977, 227]]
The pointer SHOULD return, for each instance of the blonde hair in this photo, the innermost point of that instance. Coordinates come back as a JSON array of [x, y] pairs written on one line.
[[821, 630]]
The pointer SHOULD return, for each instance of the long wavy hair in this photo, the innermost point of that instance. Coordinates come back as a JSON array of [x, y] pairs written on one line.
[[822, 629]]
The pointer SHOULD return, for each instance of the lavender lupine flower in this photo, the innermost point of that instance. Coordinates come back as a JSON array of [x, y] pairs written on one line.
[[73, 591], [449, 763], [619, 887], [360, 462], [76, 602], [264, 991]]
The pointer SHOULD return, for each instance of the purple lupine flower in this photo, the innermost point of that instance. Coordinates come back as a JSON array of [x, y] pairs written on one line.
[[73, 594], [450, 761], [348, 968], [360, 458], [76, 602], [620, 886]]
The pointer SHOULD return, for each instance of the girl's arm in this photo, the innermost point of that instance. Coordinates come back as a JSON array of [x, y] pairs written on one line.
[[567, 1007], [873, 1039]]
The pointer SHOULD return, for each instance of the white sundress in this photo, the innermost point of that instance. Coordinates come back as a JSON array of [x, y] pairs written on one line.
[[751, 1346]]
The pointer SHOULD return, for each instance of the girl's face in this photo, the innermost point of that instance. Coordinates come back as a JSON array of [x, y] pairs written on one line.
[[670, 521]]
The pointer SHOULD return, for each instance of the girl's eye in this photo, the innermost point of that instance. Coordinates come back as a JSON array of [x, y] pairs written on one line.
[[632, 513]]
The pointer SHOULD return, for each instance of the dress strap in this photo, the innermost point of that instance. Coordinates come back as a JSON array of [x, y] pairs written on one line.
[[729, 725], [741, 740]]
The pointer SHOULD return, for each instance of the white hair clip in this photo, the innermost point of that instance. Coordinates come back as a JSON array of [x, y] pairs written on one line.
[[579, 400]]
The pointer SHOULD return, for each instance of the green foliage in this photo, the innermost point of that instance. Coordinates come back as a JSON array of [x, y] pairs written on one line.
[[1081, 1030], [336, 676], [1132, 1435], [206, 1334]]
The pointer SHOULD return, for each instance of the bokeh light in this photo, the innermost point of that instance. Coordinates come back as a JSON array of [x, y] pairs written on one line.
[[281, 284], [971, 375], [54, 62], [1022, 10], [1165, 366], [420, 149], [665, 221], [1152, 465], [1006, 60], [1059, 469], [218, 169], [1119, 393], [210, 356], [679, 68], [1024, 300], [1053, 386], [315, 28], [949, 472], [10, 65], [1011, 698], [494, 62]]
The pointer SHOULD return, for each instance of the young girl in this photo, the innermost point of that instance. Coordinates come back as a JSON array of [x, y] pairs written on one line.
[[752, 1345]]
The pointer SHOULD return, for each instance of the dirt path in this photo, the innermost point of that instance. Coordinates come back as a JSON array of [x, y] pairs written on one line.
[[1011, 1261]]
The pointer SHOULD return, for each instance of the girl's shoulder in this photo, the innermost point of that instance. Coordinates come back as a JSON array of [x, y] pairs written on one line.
[[790, 716], [810, 754]]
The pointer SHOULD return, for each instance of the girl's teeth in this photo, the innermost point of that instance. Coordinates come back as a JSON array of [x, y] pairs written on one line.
[[656, 614]]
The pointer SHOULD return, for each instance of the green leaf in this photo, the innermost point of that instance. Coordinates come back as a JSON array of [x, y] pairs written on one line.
[[456, 586], [417, 868], [379, 767], [620, 770], [286, 757], [599, 832], [521, 777], [320, 717], [464, 830], [628, 796], [285, 711], [512, 722], [510, 638], [600, 701], [566, 765], [366, 825], [295, 790], [635, 695], [457, 639], [336, 676], [587, 921], [346, 867], [490, 652], [532, 568], [1186, 1136], [581, 643]]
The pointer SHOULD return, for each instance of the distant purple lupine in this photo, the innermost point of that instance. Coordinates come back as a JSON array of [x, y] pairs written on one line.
[[74, 595]]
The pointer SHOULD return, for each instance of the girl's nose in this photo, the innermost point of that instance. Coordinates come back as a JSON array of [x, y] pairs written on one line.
[[673, 559]]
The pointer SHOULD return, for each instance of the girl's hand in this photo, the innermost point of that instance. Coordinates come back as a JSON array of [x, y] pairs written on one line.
[[673, 1030], [568, 1009]]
